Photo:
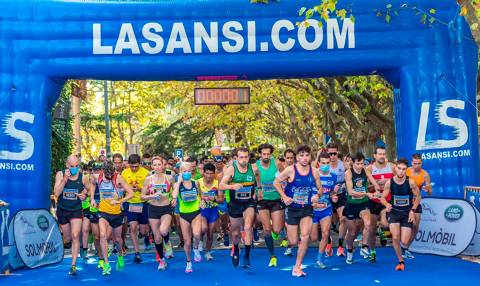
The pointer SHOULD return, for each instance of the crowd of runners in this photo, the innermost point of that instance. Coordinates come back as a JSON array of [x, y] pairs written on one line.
[[295, 199]]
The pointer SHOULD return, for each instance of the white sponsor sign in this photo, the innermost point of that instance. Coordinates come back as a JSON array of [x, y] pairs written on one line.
[[474, 247], [38, 238], [446, 228], [13, 256]]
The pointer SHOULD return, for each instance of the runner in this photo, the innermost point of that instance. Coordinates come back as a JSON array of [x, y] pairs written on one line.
[[270, 206], [137, 209], [157, 190], [382, 171], [187, 192], [242, 202], [423, 182], [322, 208], [302, 183], [289, 156], [147, 164], [339, 198], [223, 206], [402, 203], [86, 224], [70, 190], [356, 208], [110, 213], [119, 167], [209, 210]]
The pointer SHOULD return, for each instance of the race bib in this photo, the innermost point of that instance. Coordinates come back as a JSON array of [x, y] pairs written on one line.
[[301, 195], [211, 195], [401, 201], [268, 188], [189, 196], [70, 194], [135, 208], [245, 193], [106, 194], [159, 190]]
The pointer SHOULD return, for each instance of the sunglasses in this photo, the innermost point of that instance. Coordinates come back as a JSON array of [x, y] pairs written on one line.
[[333, 153], [146, 163]]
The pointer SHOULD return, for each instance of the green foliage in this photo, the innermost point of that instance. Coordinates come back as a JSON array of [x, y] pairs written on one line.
[[62, 137]]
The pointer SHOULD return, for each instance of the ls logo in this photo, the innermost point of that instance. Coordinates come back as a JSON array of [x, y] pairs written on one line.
[[27, 144], [460, 127]]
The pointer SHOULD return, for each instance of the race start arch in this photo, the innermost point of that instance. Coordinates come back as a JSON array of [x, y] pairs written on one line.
[[433, 68]]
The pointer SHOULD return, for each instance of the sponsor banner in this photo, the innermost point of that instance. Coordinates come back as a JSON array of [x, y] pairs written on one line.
[[38, 238], [13, 256], [474, 247], [4, 216], [447, 227], [472, 195]]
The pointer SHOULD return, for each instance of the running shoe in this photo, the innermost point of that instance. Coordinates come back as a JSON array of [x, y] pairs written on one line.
[[168, 250], [226, 240], [298, 272], [320, 264], [107, 270], [400, 267], [364, 252], [83, 253], [189, 267], [120, 263], [288, 252], [329, 250], [273, 262], [407, 254], [197, 257], [275, 236], [115, 249], [148, 245], [162, 264], [349, 259], [284, 243], [208, 256], [341, 251], [200, 245], [235, 258], [246, 262], [73, 271], [359, 237], [180, 244], [137, 258], [373, 256], [101, 263]]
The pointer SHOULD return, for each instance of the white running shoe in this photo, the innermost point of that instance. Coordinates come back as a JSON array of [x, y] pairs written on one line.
[[197, 257], [208, 256], [349, 259], [189, 267], [288, 252], [364, 252]]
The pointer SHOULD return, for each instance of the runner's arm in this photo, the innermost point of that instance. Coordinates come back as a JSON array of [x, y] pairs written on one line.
[[283, 177], [227, 177], [372, 181], [59, 184], [428, 184], [143, 194], [127, 187], [385, 193], [416, 193], [349, 183]]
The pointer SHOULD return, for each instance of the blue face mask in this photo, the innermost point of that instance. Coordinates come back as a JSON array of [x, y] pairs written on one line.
[[325, 168], [187, 176], [74, 171]]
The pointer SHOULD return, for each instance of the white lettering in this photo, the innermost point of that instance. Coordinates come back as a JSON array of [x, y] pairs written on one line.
[[282, 46], [347, 29], [231, 35], [251, 39], [126, 40], [149, 31], [27, 144], [318, 38], [178, 30], [201, 35], [98, 49]]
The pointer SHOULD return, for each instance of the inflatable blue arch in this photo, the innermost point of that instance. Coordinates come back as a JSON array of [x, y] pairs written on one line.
[[433, 68]]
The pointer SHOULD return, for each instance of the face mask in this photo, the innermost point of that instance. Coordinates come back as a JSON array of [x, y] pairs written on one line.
[[187, 176], [325, 168], [74, 171], [266, 161]]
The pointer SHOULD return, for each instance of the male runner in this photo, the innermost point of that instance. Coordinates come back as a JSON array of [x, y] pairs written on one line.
[[322, 208], [302, 183], [137, 209], [356, 208], [404, 198], [289, 156], [270, 206], [382, 171], [70, 190], [423, 182], [339, 198], [240, 181]]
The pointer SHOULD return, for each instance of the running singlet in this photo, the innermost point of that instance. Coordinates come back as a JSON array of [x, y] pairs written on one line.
[[360, 184], [382, 175], [209, 192], [301, 189], [402, 196], [135, 180], [108, 192], [418, 178], [328, 185], [267, 176], [161, 190], [339, 171], [248, 180], [188, 199], [68, 199]]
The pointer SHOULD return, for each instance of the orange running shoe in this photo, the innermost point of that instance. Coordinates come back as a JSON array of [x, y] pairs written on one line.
[[340, 251], [329, 250], [400, 267]]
